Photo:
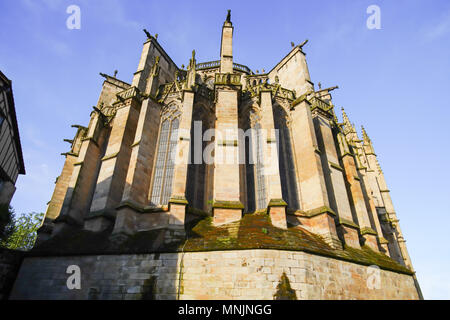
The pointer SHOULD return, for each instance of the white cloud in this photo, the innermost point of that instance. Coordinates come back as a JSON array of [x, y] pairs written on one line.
[[439, 29]]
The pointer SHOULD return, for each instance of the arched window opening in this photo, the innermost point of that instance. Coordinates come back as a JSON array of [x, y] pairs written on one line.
[[288, 175], [165, 158], [261, 194]]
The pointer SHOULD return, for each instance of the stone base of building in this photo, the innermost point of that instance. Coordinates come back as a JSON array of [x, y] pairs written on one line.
[[231, 274]]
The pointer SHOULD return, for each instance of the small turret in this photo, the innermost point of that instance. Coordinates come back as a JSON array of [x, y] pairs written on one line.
[[191, 72]]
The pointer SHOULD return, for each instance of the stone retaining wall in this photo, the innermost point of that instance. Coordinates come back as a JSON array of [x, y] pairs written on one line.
[[243, 274]]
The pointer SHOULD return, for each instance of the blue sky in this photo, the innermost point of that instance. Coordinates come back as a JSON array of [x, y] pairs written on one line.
[[393, 81]]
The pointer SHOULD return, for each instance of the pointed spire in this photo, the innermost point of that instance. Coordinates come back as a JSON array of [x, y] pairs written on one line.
[[348, 127], [345, 117], [365, 136], [191, 74], [367, 143]]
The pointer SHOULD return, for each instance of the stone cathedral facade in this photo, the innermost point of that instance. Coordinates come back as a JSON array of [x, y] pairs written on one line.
[[136, 168]]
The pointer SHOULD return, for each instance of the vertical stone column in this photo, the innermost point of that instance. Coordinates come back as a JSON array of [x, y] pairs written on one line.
[[227, 206], [372, 210], [62, 184], [367, 179], [387, 201], [334, 178], [226, 48], [113, 171], [84, 174], [314, 200], [138, 178], [358, 202], [55, 205], [276, 206], [178, 202], [141, 75]]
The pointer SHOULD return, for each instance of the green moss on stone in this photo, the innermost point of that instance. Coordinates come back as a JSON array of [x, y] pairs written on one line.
[[228, 204], [253, 231]]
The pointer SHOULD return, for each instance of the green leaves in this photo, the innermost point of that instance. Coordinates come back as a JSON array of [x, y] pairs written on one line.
[[22, 231]]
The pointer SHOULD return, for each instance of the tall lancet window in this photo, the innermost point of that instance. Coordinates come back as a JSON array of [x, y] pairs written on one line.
[[165, 158], [286, 159], [261, 194]]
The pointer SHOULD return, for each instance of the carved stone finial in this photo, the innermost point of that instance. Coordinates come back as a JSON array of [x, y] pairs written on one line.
[[292, 44], [182, 66], [156, 36], [320, 85], [115, 73], [262, 71], [229, 16], [303, 43], [147, 34], [193, 54]]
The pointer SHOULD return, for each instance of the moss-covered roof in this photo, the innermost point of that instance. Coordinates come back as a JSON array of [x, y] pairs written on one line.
[[253, 231]]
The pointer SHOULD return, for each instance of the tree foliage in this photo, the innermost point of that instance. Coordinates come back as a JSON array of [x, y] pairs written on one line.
[[22, 231]]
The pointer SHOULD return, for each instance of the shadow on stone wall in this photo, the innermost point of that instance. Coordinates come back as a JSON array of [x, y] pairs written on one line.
[[10, 261]]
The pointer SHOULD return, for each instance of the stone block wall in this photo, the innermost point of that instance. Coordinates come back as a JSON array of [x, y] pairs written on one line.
[[9, 267], [237, 274]]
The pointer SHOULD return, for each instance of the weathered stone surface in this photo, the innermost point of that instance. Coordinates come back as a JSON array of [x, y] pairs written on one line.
[[241, 274]]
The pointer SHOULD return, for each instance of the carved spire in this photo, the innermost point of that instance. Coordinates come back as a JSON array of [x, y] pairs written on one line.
[[191, 72], [348, 129], [368, 147], [365, 136]]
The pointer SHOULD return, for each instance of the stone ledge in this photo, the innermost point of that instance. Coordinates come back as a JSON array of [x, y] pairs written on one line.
[[313, 212], [277, 203], [106, 213], [347, 223], [367, 230], [67, 219], [223, 204]]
